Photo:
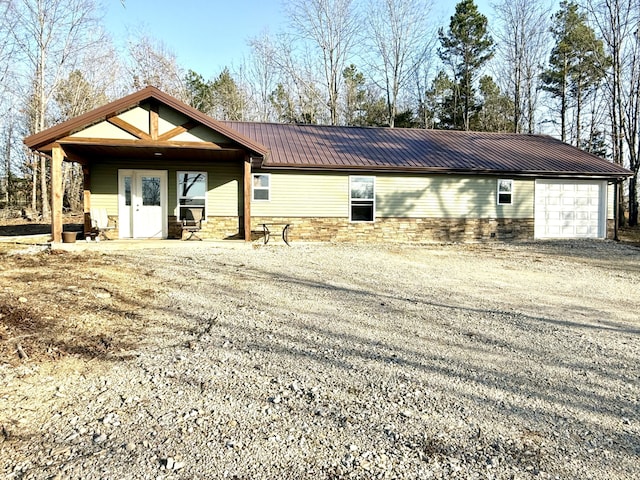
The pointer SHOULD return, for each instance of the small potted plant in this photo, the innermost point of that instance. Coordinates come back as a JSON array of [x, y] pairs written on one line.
[[69, 237]]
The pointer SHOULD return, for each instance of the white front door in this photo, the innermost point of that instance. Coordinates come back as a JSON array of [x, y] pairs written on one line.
[[142, 203]]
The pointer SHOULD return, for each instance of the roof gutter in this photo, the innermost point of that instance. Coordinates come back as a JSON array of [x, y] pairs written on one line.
[[618, 176]]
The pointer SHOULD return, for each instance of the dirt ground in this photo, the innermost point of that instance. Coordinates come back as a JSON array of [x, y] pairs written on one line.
[[41, 321], [67, 316]]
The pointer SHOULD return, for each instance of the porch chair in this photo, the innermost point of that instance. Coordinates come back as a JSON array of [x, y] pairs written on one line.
[[192, 222], [99, 224]]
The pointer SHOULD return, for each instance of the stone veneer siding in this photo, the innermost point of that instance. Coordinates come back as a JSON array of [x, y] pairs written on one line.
[[383, 229], [400, 229], [611, 228], [216, 228]]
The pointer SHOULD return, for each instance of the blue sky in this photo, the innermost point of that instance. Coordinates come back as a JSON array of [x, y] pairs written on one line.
[[207, 35]]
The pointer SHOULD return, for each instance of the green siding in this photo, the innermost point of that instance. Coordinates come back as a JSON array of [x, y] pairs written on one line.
[[408, 196], [104, 187], [224, 197], [305, 195], [445, 196], [326, 195]]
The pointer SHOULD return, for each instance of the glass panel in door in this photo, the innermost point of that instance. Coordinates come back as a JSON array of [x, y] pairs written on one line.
[[147, 209], [124, 204]]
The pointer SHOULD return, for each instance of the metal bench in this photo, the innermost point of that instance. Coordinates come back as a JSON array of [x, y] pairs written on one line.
[[285, 231]]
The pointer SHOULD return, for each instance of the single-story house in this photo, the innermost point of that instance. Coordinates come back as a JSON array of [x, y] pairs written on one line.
[[148, 158]]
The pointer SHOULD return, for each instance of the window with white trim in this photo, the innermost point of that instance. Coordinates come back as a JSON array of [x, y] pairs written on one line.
[[505, 191], [261, 186], [192, 193], [362, 199]]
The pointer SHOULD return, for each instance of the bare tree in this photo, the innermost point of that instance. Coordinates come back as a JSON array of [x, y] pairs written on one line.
[[331, 26], [8, 47], [296, 82], [617, 22], [51, 36], [523, 43], [399, 40], [7, 60], [75, 96], [423, 74], [152, 63], [260, 74]]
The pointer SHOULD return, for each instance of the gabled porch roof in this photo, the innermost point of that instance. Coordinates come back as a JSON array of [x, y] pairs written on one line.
[[145, 125], [143, 142]]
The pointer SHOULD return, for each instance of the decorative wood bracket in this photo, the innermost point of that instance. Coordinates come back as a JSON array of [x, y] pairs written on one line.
[[127, 127]]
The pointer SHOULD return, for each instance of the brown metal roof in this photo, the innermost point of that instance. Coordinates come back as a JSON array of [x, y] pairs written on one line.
[[328, 147], [363, 148]]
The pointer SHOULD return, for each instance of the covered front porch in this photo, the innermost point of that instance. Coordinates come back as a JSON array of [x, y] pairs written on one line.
[[147, 158]]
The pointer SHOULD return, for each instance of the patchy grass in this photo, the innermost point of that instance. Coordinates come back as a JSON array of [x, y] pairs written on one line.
[[630, 235], [55, 304]]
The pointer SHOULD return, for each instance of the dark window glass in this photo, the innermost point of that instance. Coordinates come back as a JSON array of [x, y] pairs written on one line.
[[127, 191], [151, 191], [362, 212], [504, 198]]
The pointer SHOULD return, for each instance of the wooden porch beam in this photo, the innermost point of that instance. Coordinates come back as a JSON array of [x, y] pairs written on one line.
[[111, 142], [127, 127], [174, 132], [247, 198], [56, 193]]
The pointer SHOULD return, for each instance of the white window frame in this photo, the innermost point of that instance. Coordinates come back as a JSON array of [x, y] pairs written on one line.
[[202, 197], [510, 192], [371, 201], [261, 189]]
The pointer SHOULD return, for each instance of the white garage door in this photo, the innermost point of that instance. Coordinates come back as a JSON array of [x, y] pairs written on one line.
[[570, 209]]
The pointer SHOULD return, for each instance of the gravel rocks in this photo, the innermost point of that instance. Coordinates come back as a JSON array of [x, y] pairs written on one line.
[[340, 361]]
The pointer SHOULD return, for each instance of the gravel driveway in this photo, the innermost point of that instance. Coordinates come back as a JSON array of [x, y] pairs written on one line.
[[342, 361]]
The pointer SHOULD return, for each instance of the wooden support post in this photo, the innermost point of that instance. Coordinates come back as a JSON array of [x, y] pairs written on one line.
[[56, 194], [247, 198], [153, 121], [86, 194]]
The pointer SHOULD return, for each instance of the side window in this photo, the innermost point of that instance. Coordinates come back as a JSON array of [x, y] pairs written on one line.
[[261, 186], [505, 191], [362, 199], [192, 192]]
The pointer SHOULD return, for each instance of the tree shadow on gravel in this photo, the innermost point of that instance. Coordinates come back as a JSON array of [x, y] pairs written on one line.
[[532, 397], [288, 338]]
